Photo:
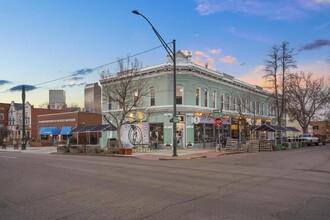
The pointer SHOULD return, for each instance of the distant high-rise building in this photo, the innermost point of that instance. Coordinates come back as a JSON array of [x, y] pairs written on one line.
[[93, 98], [57, 99]]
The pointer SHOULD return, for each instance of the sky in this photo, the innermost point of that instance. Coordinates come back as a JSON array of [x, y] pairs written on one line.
[[66, 44]]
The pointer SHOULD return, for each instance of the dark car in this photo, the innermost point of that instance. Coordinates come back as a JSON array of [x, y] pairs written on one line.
[[322, 139]]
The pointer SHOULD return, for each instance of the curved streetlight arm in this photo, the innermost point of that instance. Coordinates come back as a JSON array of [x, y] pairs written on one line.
[[167, 48]]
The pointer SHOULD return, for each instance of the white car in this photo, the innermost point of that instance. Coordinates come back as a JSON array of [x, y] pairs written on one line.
[[310, 139]]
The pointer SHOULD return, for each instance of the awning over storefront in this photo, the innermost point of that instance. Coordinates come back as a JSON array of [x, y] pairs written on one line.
[[96, 128], [49, 131], [66, 130], [292, 129], [271, 128]]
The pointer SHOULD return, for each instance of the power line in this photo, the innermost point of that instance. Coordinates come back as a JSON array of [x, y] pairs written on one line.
[[89, 70]]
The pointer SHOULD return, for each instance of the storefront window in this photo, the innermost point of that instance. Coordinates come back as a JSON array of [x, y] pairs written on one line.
[[156, 133], [199, 131]]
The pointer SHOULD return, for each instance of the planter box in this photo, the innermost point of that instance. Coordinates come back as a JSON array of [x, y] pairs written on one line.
[[121, 150], [128, 151]]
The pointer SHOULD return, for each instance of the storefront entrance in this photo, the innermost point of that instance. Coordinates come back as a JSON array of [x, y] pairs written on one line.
[[180, 135]]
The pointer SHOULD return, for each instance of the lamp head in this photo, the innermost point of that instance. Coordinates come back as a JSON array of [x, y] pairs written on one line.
[[136, 12]]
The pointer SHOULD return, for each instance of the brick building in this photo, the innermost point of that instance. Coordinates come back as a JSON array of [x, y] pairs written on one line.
[[4, 109], [57, 127]]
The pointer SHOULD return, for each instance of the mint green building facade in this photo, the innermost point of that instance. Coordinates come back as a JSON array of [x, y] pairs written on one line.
[[199, 92]]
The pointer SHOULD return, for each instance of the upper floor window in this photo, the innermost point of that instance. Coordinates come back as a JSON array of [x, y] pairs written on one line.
[[227, 102], [257, 108], [2, 116], [135, 98], [179, 95], [152, 96], [206, 97], [222, 98], [110, 105], [198, 95], [214, 99], [234, 106]]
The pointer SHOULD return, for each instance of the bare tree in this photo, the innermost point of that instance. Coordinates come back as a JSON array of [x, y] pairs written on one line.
[[44, 105], [123, 92], [277, 70], [306, 97], [246, 109]]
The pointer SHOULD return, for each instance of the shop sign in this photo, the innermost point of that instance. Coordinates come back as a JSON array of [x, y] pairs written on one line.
[[226, 121]]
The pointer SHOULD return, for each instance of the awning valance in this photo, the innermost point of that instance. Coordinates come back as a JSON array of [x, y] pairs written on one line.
[[66, 130], [273, 128], [293, 129], [49, 131], [94, 128]]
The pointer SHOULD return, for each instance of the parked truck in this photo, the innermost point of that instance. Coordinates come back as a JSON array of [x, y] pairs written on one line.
[[310, 139]]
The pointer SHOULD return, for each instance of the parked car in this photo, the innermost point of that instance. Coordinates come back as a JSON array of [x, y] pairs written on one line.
[[310, 139], [322, 139]]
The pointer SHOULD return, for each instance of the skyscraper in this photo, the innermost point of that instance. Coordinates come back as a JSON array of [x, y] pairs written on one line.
[[93, 98], [57, 99]]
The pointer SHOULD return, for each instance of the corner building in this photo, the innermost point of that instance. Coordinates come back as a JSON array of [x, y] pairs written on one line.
[[199, 91]]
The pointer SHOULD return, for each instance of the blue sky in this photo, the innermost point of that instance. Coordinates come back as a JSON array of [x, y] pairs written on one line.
[[47, 43]]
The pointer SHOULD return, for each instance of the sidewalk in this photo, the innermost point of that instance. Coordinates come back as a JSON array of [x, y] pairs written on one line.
[[39, 150], [158, 154], [183, 154]]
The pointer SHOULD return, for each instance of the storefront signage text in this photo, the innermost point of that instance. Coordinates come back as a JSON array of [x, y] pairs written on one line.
[[58, 120]]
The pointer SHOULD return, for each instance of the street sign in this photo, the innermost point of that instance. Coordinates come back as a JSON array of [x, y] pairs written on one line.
[[217, 113], [176, 120], [218, 121]]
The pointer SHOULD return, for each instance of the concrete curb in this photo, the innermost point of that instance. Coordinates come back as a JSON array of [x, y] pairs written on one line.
[[183, 158]]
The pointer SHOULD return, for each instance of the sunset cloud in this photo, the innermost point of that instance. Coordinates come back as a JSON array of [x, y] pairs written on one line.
[[228, 59], [255, 77], [199, 53], [215, 51]]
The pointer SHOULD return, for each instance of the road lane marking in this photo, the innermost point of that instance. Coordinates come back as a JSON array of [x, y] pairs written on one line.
[[8, 157]]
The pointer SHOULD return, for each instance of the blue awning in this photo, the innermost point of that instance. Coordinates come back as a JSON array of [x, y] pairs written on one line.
[[66, 130], [49, 131]]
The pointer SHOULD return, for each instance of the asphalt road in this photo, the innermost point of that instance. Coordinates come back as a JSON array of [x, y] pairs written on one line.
[[292, 184]]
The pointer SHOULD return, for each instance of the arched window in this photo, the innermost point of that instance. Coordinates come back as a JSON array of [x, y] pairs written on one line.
[[198, 96], [214, 99], [206, 97], [179, 95]]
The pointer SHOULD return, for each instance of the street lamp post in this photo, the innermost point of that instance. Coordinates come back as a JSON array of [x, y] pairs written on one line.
[[23, 114], [172, 54]]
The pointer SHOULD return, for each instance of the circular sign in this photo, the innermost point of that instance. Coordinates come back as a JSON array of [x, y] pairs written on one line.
[[196, 120], [218, 121]]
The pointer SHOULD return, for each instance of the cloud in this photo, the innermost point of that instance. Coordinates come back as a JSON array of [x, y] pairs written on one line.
[[4, 82], [255, 77], [83, 72], [249, 36], [315, 45], [19, 88], [199, 53], [228, 59], [280, 9], [215, 51], [322, 26]]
